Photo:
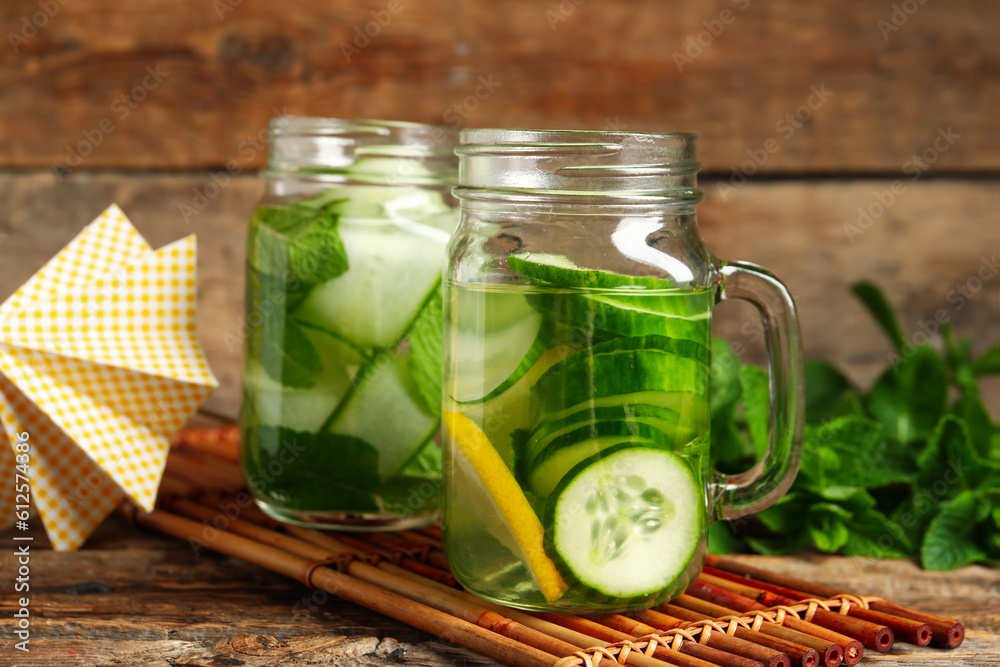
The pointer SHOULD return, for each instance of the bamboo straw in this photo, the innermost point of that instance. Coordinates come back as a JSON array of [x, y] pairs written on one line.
[[904, 629], [384, 577], [637, 628], [392, 542], [830, 652], [595, 629], [800, 654], [366, 550], [424, 590], [874, 636], [852, 650], [420, 616], [720, 640], [945, 632]]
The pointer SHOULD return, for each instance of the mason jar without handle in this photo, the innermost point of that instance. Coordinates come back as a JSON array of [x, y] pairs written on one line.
[[578, 301], [342, 375]]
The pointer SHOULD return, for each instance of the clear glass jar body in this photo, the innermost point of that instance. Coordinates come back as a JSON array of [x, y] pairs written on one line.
[[577, 366], [341, 388]]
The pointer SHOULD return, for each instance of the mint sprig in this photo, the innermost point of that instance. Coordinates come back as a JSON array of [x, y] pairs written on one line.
[[910, 468]]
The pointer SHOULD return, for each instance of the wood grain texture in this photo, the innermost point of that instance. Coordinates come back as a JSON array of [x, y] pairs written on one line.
[[938, 235], [136, 597], [190, 84]]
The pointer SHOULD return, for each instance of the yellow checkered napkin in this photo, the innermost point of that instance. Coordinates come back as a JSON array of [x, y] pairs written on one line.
[[100, 366]]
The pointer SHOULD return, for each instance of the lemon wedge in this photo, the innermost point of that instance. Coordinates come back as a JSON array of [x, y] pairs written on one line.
[[513, 506]]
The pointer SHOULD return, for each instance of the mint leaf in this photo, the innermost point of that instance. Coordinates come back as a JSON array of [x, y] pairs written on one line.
[[290, 357], [757, 402], [725, 388], [786, 515], [910, 396], [825, 523], [854, 452], [296, 242], [874, 535], [425, 352], [427, 462], [313, 472], [824, 388], [721, 539], [950, 539], [989, 363], [948, 464], [878, 305]]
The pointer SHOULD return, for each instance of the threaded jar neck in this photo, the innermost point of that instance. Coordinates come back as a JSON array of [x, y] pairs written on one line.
[[578, 166], [339, 150]]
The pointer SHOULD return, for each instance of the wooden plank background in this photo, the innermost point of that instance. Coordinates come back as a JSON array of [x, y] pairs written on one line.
[[825, 109]]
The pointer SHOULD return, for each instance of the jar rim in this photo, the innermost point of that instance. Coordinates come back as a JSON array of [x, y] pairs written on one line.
[[334, 126]]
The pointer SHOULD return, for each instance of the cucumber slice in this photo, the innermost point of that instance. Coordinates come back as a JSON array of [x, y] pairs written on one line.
[[499, 416], [387, 411], [618, 367], [663, 419], [491, 363], [565, 452], [541, 463], [626, 522], [560, 271], [693, 406], [394, 268], [303, 409]]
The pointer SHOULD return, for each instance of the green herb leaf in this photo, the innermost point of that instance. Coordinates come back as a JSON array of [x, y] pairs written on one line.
[[824, 388], [425, 352], [721, 539], [950, 539], [757, 403], [989, 363], [910, 396], [825, 523], [310, 471], [878, 305], [297, 242], [290, 358], [853, 451]]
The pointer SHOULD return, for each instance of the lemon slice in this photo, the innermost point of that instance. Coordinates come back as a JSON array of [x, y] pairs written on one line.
[[513, 506]]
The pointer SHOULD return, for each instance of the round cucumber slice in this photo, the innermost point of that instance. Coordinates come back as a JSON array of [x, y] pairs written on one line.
[[626, 522]]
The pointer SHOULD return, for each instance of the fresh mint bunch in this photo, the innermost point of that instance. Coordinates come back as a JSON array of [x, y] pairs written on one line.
[[910, 468]]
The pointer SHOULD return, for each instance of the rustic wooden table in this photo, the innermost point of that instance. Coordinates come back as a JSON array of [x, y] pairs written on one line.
[[135, 597]]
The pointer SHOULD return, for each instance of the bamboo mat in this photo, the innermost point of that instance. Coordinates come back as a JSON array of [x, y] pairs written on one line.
[[732, 616]]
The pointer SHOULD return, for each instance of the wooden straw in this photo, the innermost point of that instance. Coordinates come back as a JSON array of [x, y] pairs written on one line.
[[830, 652], [905, 629], [873, 636], [636, 628], [420, 616], [595, 629], [393, 543], [799, 653], [852, 650], [945, 632], [719, 639], [367, 551], [384, 576]]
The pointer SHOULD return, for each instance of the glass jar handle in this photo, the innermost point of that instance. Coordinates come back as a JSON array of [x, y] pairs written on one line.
[[761, 485]]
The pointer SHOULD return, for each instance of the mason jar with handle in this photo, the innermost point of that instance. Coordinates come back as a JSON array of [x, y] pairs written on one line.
[[342, 377], [578, 303]]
